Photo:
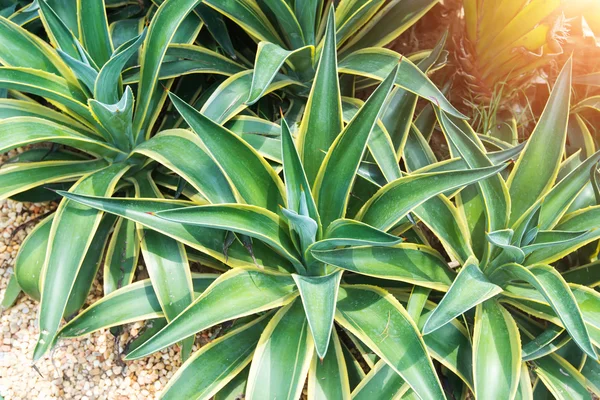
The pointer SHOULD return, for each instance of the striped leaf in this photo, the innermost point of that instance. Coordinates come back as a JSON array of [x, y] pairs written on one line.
[[270, 58], [215, 364], [412, 263], [328, 378], [411, 191], [537, 166], [376, 63], [557, 293], [93, 30], [322, 121], [251, 176], [471, 287], [64, 257], [235, 294], [282, 357], [319, 296], [243, 219], [383, 325], [19, 177], [134, 302], [206, 240], [174, 148], [336, 175], [496, 347]]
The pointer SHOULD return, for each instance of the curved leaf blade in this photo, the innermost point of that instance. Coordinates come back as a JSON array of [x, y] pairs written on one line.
[[235, 294], [383, 325], [282, 356]]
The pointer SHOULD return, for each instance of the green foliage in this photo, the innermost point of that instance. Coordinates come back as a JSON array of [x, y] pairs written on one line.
[[346, 255]]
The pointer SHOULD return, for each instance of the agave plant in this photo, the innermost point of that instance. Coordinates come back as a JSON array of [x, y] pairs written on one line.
[[354, 260], [80, 75], [70, 94], [301, 222], [503, 229]]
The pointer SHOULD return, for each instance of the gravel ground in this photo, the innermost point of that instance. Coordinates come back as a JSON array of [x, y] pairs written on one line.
[[83, 368]]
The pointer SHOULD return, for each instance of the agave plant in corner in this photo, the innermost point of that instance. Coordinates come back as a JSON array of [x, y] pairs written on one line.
[[530, 276], [69, 93], [286, 302]]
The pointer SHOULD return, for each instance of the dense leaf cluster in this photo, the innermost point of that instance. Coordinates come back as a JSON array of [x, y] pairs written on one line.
[[345, 255]]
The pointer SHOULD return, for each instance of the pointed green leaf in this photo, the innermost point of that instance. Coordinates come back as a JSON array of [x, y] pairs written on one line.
[[93, 29], [561, 378], [106, 86], [121, 258], [174, 148], [381, 382], [90, 266], [328, 378], [206, 240], [336, 175], [322, 121], [243, 219], [248, 172], [215, 364], [20, 48], [401, 105], [116, 118], [11, 292], [376, 63], [288, 24], [302, 227], [382, 323], [494, 192], [415, 264], [537, 167], [165, 259], [270, 58], [134, 302], [22, 108], [282, 358], [21, 131], [235, 294], [54, 88], [348, 232], [393, 19], [380, 144], [85, 74], [556, 203], [249, 16], [307, 12], [64, 257], [19, 177], [296, 183], [411, 191], [319, 296], [470, 288], [496, 347], [58, 32], [555, 290], [161, 31]]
